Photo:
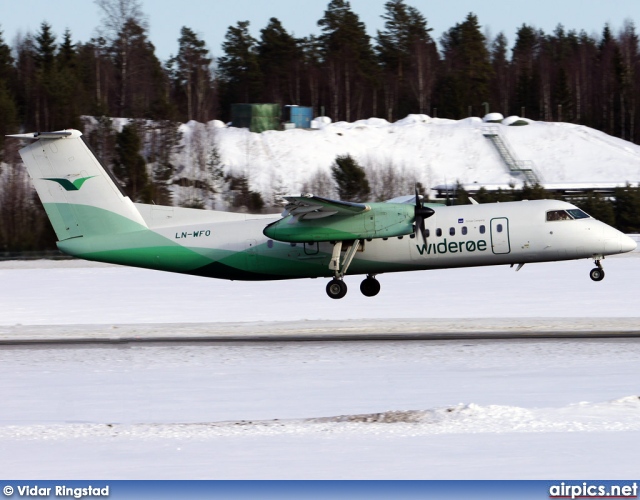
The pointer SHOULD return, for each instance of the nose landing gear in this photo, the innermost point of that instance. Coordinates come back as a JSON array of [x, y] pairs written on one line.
[[597, 273]]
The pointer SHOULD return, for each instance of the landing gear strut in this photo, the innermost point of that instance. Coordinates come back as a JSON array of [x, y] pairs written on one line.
[[597, 273], [337, 288], [370, 286]]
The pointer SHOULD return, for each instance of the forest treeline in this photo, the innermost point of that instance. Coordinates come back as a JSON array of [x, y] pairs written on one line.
[[48, 81]]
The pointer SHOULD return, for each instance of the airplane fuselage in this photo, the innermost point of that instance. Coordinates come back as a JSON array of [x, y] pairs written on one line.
[[233, 246]]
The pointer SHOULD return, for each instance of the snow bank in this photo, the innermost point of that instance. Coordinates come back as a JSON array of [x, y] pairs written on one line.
[[424, 149], [614, 416]]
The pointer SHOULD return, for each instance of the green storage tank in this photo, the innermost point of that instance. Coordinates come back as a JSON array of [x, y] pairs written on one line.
[[256, 117]]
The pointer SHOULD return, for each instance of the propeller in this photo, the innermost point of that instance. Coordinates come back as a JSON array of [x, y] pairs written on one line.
[[422, 213]]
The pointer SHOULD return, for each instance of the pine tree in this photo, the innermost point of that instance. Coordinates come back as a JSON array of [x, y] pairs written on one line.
[[627, 209], [7, 72], [409, 60], [280, 60], [467, 62], [238, 69], [215, 170], [524, 64], [70, 94], [192, 77], [244, 198], [129, 165], [166, 138], [501, 81], [142, 82], [348, 60], [350, 178], [8, 110], [629, 86], [45, 76], [598, 207]]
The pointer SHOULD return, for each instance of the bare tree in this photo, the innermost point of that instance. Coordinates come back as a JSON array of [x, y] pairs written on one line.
[[117, 15], [320, 184]]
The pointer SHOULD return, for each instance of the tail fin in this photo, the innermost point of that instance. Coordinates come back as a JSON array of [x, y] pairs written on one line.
[[80, 197]]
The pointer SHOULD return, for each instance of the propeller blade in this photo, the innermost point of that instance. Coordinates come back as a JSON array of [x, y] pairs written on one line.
[[421, 213]]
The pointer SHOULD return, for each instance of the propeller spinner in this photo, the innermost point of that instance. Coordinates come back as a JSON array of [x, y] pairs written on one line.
[[422, 213]]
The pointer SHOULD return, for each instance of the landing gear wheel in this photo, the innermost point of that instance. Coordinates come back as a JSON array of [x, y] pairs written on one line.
[[596, 274], [370, 286], [336, 289]]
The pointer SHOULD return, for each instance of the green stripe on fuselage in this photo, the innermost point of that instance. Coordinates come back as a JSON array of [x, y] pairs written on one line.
[[132, 244]]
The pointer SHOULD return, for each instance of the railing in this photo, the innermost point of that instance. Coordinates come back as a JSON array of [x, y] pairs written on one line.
[[526, 168]]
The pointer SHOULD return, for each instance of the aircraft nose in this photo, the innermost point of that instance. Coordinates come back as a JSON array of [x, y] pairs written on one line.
[[627, 244]]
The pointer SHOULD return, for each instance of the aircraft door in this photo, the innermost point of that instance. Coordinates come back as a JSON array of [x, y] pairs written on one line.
[[370, 221], [500, 243]]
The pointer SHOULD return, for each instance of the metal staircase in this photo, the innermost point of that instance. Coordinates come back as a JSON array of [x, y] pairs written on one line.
[[521, 168]]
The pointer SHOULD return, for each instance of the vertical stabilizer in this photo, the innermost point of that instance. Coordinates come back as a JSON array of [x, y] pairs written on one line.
[[78, 194]]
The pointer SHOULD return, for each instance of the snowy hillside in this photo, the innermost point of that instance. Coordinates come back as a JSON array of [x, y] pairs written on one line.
[[418, 148]]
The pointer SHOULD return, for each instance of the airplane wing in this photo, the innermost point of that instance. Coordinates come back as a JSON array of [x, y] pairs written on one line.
[[309, 218], [314, 207]]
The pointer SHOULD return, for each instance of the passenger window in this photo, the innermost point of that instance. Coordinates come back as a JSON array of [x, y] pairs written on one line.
[[452, 231], [499, 228], [269, 243], [481, 229], [438, 232], [464, 230], [428, 233]]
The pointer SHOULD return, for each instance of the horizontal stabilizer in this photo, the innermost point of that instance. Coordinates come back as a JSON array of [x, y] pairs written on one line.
[[61, 134]]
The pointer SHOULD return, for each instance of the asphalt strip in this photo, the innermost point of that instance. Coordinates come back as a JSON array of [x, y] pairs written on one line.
[[317, 330]]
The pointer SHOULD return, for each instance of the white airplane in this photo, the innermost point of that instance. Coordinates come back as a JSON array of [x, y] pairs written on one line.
[[314, 237]]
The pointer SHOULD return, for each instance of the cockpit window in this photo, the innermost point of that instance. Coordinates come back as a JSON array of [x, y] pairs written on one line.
[[574, 213], [557, 215]]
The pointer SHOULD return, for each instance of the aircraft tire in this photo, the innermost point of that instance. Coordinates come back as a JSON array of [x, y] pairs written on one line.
[[370, 287], [596, 274], [336, 289]]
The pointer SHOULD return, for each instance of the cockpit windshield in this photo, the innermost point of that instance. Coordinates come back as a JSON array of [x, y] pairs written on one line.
[[574, 213]]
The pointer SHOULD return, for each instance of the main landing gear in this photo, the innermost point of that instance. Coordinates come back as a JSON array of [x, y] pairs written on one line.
[[370, 286], [597, 273], [337, 288]]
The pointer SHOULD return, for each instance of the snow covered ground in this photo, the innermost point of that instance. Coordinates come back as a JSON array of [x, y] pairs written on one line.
[[510, 409]]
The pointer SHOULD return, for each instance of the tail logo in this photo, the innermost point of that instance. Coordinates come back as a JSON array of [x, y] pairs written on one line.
[[67, 184]]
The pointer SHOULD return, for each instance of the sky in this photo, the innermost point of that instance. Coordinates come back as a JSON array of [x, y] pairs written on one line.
[[211, 18]]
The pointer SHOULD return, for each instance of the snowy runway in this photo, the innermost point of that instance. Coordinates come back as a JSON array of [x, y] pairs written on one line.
[[423, 409]]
